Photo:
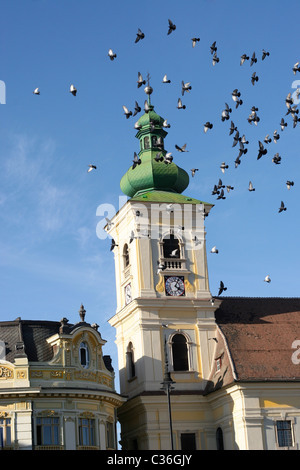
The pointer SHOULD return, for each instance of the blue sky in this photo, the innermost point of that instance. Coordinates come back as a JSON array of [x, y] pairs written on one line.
[[50, 256]]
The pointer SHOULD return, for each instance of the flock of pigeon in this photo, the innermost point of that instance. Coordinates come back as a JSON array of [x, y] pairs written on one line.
[[238, 139]]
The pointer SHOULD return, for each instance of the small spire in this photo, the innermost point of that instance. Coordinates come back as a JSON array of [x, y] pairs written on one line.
[[82, 313], [148, 89]]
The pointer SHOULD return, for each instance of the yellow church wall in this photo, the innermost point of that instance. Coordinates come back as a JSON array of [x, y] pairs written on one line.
[[280, 402]]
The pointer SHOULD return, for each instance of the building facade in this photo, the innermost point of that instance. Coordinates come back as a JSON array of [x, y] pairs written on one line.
[[56, 387], [228, 363]]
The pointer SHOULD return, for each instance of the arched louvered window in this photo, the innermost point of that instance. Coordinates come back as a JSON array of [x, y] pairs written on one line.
[[171, 248], [126, 255], [180, 353]]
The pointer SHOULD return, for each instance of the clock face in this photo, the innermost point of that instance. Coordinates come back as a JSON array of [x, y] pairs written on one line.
[[128, 296], [174, 285]]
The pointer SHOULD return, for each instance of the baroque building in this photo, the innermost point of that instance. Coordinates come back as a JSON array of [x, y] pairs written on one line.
[[56, 387], [198, 372]]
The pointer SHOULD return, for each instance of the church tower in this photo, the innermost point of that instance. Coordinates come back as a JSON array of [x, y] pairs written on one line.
[[165, 315]]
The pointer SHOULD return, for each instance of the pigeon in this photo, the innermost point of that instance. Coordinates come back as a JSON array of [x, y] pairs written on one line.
[[229, 188], [168, 158], [222, 288], [214, 250], [215, 59], [220, 184], [172, 27], [243, 140], [276, 136], [292, 110], [158, 157], [243, 151], [261, 151], [169, 208], [137, 125], [160, 142], [113, 245], [267, 279], [181, 149], [36, 91], [237, 161], [253, 59], [146, 107], [193, 171], [267, 139], [208, 125], [213, 48], [282, 207], [195, 40], [232, 128], [173, 253], [185, 87], [160, 267], [165, 124], [180, 105], [223, 167], [165, 79], [283, 124], [295, 121], [109, 223], [140, 80], [276, 159], [243, 58], [73, 90], [225, 113], [215, 190], [235, 94], [111, 54], [136, 161], [250, 187], [265, 54], [289, 184], [127, 113], [132, 236], [253, 117], [91, 167], [221, 195], [236, 138], [289, 100], [254, 78], [137, 108], [296, 68], [139, 35]]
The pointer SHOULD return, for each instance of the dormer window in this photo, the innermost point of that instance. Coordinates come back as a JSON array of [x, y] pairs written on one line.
[[84, 355]]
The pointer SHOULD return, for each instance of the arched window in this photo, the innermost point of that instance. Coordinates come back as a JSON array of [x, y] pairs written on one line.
[[171, 248], [219, 438], [154, 140], [130, 361], [180, 353], [84, 355], [146, 142], [126, 255]]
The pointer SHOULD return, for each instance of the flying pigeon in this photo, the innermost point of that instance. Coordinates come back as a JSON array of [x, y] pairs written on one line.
[[250, 187], [146, 107], [265, 54], [168, 158], [289, 100], [229, 188], [226, 112], [235, 94], [185, 87], [158, 157], [267, 279], [169, 208], [36, 91], [109, 223], [289, 184], [126, 112], [140, 80], [139, 35], [232, 128], [91, 167], [243, 58], [137, 108], [214, 250], [261, 151], [208, 125], [220, 184], [113, 245], [221, 195], [236, 138], [195, 40], [267, 139], [283, 124], [215, 59], [172, 27], [215, 190], [73, 90], [165, 79], [296, 68], [165, 124], [223, 167], [136, 161], [193, 171], [243, 150], [254, 78], [111, 54], [180, 105], [132, 236], [222, 288], [213, 48], [181, 149], [276, 136], [160, 267], [282, 207], [295, 121], [173, 253], [276, 159], [253, 59]]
